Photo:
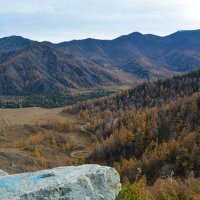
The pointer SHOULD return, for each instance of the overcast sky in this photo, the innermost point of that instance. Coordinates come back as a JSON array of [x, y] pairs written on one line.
[[62, 20]]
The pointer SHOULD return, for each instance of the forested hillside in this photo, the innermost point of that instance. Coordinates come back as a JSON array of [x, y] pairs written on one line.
[[147, 94], [49, 100], [39, 68], [151, 130]]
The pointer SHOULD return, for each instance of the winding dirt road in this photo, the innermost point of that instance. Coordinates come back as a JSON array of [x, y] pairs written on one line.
[[80, 153]]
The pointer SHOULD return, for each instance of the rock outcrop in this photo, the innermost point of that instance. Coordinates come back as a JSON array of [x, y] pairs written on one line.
[[86, 182]]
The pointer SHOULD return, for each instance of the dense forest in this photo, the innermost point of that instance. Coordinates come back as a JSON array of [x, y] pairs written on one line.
[[48, 100], [149, 132], [148, 94]]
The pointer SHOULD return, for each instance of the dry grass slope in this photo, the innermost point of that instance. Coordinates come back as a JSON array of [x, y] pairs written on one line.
[[35, 138]]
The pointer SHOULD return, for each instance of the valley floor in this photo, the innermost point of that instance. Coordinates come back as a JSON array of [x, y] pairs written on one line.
[[36, 138], [31, 116]]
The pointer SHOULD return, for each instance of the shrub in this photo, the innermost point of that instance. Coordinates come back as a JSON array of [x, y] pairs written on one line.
[[136, 191], [168, 189]]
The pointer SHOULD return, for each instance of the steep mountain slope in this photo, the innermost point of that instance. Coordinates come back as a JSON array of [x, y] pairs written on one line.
[[177, 52], [115, 52], [38, 68]]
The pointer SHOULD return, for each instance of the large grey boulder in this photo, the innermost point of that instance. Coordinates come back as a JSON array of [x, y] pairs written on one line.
[[86, 182]]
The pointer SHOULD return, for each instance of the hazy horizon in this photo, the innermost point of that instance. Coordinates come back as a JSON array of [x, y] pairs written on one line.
[[57, 21]]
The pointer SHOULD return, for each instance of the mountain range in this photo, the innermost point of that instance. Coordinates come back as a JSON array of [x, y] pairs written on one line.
[[28, 66]]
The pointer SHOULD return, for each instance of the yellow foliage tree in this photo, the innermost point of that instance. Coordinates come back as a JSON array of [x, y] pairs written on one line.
[[126, 137], [37, 152]]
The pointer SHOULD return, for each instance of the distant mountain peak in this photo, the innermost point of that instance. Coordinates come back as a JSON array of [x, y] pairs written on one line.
[[13, 42], [135, 35], [185, 34]]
